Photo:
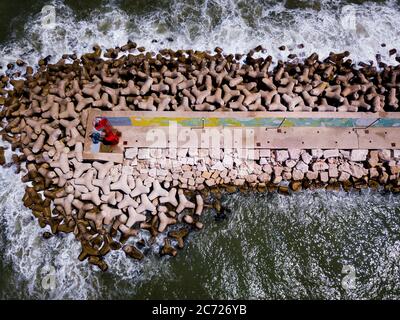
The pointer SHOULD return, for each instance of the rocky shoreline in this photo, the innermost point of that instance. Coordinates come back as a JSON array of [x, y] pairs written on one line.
[[44, 115]]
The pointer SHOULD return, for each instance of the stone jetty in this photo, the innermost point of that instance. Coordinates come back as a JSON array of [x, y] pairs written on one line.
[[108, 205]]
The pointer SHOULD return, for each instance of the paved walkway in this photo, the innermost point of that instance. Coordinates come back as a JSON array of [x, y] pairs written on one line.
[[271, 130]]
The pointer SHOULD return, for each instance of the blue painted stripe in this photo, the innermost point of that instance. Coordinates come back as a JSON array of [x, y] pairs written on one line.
[[387, 123], [119, 121]]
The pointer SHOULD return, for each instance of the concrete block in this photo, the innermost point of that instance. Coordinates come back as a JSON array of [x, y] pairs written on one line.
[[358, 155], [281, 155], [302, 166], [294, 154], [317, 153], [131, 153], [331, 153], [320, 166], [306, 157], [265, 153], [143, 154], [324, 176]]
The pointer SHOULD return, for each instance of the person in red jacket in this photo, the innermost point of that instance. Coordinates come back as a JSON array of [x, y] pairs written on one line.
[[109, 135]]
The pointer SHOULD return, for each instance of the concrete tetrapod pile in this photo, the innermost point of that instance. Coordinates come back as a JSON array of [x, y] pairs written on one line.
[[44, 114]]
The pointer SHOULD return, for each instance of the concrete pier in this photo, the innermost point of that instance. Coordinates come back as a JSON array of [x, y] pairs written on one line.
[[249, 130]]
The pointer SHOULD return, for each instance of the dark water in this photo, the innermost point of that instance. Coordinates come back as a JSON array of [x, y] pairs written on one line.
[[272, 246]]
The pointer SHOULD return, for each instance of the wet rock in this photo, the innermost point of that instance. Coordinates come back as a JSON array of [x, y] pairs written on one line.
[[296, 185], [179, 235], [140, 243], [167, 249], [373, 173], [334, 186], [2, 157], [347, 185], [47, 235], [132, 252], [373, 184], [230, 189], [99, 262], [283, 190], [360, 184], [383, 178]]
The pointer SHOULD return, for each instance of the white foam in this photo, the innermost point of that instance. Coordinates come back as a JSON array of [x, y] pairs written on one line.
[[233, 28]]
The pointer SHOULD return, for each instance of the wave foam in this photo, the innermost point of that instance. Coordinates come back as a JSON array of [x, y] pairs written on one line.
[[236, 26]]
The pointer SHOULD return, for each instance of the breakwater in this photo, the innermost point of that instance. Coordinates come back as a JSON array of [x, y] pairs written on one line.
[[105, 204]]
